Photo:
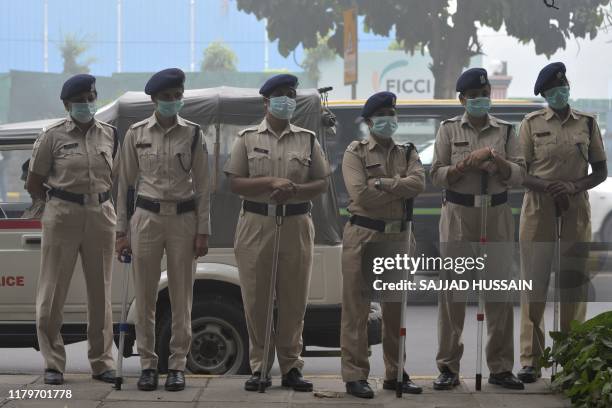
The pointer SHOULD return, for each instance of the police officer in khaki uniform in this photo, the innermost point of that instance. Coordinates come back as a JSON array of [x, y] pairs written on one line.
[[165, 158], [379, 178], [276, 167], [75, 159], [558, 143], [466, 146]]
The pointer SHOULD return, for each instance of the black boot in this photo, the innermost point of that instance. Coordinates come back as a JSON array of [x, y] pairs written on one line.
[[53, 377], [506, 380], [408, 387], [252, 384], [529, 374], [175, 381], [108, 376], [446, 381], [148, 380], [360, 389], [295, 380]]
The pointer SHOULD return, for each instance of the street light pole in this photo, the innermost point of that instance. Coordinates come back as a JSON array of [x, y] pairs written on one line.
[[46, 35], [192, 23], [119, 36]]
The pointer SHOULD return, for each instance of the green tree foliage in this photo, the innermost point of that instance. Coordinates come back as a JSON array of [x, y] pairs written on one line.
[[218, 58], [316, 55], [449, 34], [396, 46], [71, 49]]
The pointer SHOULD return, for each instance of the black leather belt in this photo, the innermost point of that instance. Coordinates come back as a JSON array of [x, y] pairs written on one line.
[[378, 225], [276, 210], [77, 198], [471, 200], [155, 206]]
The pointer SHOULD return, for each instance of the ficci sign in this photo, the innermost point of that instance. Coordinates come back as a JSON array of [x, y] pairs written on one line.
[[408, 76], [392, 78]]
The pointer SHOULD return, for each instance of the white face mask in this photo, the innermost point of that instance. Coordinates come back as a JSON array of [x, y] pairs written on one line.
[[384, 126], [83, 112], [282, 107]]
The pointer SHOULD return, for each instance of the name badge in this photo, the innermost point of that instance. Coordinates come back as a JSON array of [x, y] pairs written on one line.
[[540, 134], [70, 146], [260, 150], [142, 145], [461, 143]]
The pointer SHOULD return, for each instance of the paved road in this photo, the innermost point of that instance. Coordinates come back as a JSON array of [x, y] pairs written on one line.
[[421, 349]]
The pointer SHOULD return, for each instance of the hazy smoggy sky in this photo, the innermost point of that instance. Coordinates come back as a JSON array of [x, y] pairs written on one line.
[[589, 63]]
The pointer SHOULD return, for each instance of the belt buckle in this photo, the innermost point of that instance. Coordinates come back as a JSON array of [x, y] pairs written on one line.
[[482, 200], [272, 210], [88, 199], [167, 208], [393, 227]]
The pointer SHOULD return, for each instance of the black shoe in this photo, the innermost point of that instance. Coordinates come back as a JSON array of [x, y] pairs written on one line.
[[252, 384], [175, 381], [506, 380], [108, 376], [408, 387], [446, 381], [529, 374], [295, 380], [53, 377], [148, 380], [360, 389]]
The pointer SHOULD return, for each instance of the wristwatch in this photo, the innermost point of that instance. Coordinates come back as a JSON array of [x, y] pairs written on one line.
[[378, 183]]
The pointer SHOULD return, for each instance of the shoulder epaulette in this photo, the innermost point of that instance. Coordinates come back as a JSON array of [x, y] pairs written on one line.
[[301, 129], [53, 125], [139, 124], [534, 114], [353, 145], [582, 113], [249, 129], [450, 120]]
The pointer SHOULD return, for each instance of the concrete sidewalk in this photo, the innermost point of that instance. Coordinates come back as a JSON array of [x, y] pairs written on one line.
[[226, 392]]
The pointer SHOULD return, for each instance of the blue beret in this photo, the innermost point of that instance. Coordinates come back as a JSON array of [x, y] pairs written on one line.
[[378, 100], [78, 84], [277, 81], [472, 78], [167, 78], [548, 73]]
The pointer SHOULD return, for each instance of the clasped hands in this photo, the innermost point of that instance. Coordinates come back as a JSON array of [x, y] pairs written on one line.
[[486, 159], [282, 190]]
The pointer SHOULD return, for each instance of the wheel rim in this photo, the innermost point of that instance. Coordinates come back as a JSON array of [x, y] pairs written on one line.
[[216, 347]]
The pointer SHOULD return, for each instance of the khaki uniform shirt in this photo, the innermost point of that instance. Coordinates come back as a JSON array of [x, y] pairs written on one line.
[[162, 167], [73, 161], [558, 149], [259, 152], [457, 138], [364, 161]]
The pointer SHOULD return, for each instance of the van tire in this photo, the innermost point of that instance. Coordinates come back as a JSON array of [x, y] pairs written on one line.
[[220, 343]]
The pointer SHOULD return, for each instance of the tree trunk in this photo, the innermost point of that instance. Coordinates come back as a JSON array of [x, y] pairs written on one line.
[[450, 50]]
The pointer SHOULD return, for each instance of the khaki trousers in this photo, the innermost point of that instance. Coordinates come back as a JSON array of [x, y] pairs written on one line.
[[537, 243], [71, 229], [356, 308], [460, 225], [151, 235], [253, 246]]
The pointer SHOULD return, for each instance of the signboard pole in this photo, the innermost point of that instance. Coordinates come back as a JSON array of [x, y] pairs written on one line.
[[350, 49]]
